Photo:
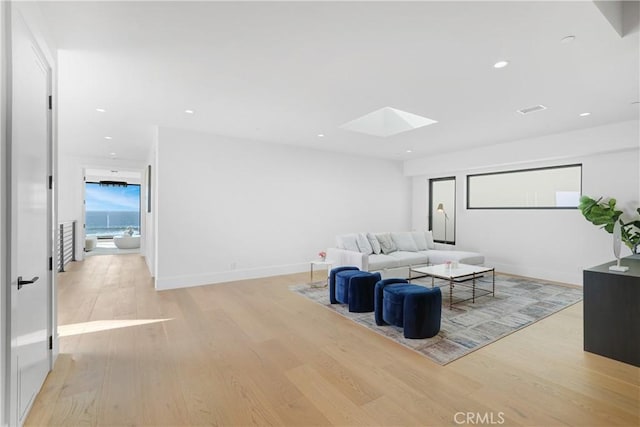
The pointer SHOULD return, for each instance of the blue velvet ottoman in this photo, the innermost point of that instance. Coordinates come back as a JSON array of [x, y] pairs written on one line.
[[332, 281], [414, 308], [355, 288]]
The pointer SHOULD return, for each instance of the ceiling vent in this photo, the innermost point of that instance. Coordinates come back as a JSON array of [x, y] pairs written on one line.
[[533, 109]]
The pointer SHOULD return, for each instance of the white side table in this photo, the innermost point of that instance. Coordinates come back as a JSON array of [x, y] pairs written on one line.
[[320, 263]]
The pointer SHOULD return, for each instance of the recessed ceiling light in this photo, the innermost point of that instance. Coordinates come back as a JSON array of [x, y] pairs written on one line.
[[112, 154], [108, 137], [584, 114], [189, 111], [321, 135], [500, 64], [409, 151], [100, 110], [568, 39]]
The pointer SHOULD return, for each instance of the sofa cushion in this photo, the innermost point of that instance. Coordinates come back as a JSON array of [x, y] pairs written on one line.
[[375, 244], [348, 242], [386, 243], [430, 243], [382, 261], [410, 258], [363, 244], [421, 240], [441, 257], [404, 241]]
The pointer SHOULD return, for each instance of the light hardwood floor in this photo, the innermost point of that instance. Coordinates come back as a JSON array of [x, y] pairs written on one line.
[[254, 353]]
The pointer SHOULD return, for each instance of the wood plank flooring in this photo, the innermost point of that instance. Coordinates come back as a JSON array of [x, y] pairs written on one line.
[[254, 353]]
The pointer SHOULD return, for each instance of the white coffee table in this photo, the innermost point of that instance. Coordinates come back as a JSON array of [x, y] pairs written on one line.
[[455, 274]]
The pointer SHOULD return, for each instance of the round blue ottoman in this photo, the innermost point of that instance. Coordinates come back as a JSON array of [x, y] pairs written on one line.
[[332, 280], [414, 308], [342, 284], [356, 288]]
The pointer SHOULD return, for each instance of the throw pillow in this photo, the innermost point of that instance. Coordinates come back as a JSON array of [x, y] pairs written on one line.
[[364, 245], [430, 243], [404, 241], [349, 242], [386, 243], [375, 244], [420, 239]]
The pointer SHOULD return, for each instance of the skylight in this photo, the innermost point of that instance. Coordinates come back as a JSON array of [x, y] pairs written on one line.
[[387, 121]]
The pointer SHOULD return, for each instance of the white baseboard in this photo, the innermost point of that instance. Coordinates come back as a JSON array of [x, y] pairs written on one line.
[[539, 272], [147, 261], [186, 281]]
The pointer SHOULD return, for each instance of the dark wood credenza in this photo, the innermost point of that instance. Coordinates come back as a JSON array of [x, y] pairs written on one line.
[[612, 311]]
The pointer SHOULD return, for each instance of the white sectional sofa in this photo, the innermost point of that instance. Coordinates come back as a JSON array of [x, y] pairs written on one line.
[[393, 254]]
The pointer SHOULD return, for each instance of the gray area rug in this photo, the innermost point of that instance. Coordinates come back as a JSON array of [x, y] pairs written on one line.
[[468, 326]]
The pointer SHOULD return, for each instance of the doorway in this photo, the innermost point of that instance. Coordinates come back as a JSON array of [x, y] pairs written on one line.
[[112, 211]]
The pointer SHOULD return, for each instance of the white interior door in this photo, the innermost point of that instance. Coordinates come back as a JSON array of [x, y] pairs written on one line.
[[30, 213]]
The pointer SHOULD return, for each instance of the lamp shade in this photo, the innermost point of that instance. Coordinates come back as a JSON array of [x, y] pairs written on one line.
[[440, 208]]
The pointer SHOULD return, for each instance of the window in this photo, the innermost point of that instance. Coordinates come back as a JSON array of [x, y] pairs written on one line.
[[112, 209], [442, 209], [557, 187]]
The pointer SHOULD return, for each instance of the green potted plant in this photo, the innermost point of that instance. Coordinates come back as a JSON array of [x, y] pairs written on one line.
[[605, 214]]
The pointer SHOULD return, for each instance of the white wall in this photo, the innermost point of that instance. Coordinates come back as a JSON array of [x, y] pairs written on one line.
[[547, 244], [230, 209], [70, 197]]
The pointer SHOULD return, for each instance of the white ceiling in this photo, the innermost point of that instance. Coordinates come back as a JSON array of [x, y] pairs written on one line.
[[286, 72]]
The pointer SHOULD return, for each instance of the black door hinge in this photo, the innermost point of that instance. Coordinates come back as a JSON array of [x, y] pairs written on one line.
[[50, 263], [50, 342], [50, 102], [50, 182]]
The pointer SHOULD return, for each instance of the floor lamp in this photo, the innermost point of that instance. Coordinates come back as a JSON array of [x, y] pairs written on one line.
[[446, 217]]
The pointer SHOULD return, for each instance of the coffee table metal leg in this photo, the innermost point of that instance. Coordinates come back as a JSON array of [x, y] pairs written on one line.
[[473, 289], [494, 282], [450, 294]]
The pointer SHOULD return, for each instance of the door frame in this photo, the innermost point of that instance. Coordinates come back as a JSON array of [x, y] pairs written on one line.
[[5, 120], [10, 414]]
